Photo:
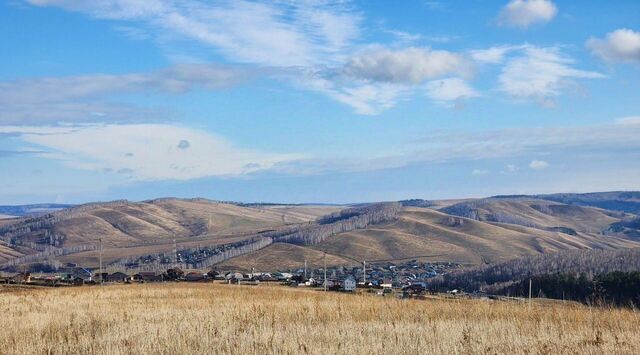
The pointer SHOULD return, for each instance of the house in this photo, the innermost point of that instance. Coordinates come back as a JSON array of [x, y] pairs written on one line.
[[147, 276], [19, 278], [415, 287], [266, 277], [76, 275], [331, 284], [233, 277], [283, 276], [117, 277], [349, 284], [194, 277]]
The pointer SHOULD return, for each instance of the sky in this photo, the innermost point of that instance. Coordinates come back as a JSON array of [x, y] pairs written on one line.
[[316, 101]]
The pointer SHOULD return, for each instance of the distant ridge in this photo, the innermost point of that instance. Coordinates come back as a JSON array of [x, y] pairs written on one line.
[[623, 201], [32, 210]]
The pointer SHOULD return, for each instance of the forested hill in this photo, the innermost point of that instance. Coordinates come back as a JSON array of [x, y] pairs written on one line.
[[497, 276]]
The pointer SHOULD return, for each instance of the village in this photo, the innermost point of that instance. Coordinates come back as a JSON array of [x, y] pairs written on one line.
[[385, 278]]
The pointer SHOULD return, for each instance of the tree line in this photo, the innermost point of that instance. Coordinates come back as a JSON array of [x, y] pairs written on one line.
[[492, 278], [612, 288], [340, 222]]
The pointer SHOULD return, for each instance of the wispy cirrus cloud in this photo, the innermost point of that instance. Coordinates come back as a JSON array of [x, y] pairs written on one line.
[[264, 33], [541, 74], [450, 90], [86, 97], [533, 73], [317, 46], [145, 152], [526, 144], [312, 43]]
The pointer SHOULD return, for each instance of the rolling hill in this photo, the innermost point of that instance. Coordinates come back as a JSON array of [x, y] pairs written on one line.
[[466, 231], [625, 201], [432, 235], [140, 228]]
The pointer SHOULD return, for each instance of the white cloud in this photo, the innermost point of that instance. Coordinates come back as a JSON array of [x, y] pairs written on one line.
[[538, 164], [264, 33], [456, 145], [451, 89], [492, 55], [629, 121], [82, 97], [530, 141], [312, 40], [524, 13], [377, 78], [540, 74], [145, 151], [622, 45], [479, 172], [156, 151], [410, 65], [365, 98], [370, 99], [404, 37]]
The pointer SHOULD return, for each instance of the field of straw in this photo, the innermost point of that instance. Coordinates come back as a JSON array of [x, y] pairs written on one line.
[[176, 318]]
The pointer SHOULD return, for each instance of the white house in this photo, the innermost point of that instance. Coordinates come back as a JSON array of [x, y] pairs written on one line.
[[349, 284]]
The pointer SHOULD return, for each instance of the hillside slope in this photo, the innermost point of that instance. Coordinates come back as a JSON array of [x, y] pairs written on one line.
[[282, 256], [151, 226], [625, 201], [479, 231], [541, 214], [428, 232], [431, 235]]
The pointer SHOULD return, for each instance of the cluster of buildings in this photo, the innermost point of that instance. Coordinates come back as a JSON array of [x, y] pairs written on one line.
[[410, 276], [406, 275]]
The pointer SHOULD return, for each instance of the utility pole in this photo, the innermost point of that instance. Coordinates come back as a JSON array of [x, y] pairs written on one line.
[[529, 293], [325, 271], [175, 254], [101, 278], [305, 269], [364, 272]]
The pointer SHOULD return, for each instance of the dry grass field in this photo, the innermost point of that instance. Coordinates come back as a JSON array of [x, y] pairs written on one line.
[[219, 319]]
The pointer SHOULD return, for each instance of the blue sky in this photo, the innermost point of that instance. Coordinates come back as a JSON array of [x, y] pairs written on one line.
[[316, 101]]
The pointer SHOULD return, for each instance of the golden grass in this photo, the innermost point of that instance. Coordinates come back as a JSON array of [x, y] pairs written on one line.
[[219, 319]]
